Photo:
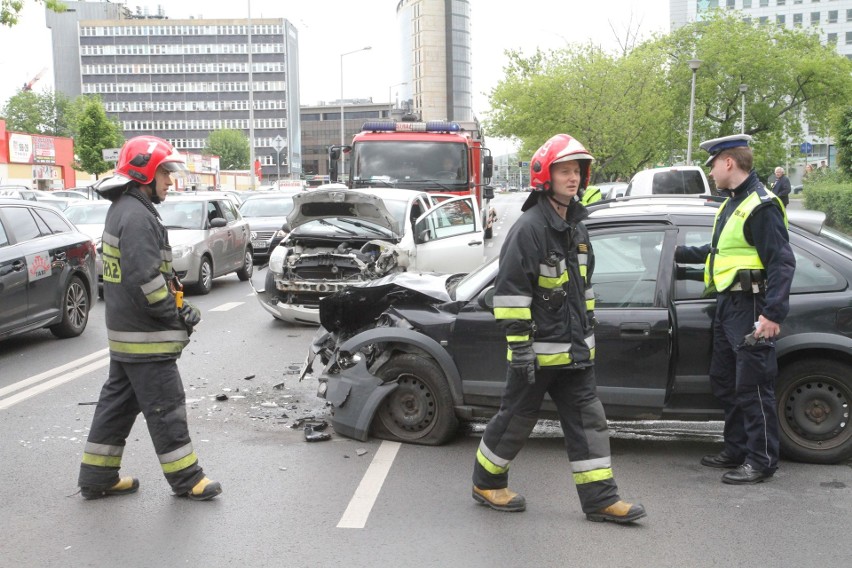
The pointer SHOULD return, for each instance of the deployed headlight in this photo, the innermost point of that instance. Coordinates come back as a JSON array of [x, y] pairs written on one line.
[[180, 251], [276, 259]]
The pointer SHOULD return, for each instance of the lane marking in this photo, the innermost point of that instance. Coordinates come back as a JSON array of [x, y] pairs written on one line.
[[31, 392], [52, 372], [356, 514], [226, 307]]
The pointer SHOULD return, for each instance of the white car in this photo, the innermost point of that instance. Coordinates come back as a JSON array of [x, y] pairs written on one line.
[[90, 217], [671, 180], [341, 237]]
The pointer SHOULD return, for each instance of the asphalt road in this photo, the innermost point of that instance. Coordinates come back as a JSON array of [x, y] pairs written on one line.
[[287, 502]]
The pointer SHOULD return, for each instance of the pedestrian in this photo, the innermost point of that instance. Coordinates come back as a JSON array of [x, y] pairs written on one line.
[[545, 302], [781, 188], [750, 264], [146, 330], [823, 165]]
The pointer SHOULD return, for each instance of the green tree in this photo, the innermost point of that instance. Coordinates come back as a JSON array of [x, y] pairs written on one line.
[[844, 142], [39, 113], [94, 132], [232, 147], [11, 9]]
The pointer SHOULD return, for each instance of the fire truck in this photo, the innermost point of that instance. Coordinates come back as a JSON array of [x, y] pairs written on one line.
[[435, 156]]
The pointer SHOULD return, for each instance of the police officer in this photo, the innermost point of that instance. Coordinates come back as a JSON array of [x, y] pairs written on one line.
[[545, 301], [145, 329], [750, 264]]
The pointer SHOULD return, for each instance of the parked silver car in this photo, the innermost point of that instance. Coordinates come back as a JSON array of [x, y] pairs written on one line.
[[209, 238]]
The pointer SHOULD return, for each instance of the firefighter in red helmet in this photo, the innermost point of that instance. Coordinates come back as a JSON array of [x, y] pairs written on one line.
[[545, 302], [147, 329]]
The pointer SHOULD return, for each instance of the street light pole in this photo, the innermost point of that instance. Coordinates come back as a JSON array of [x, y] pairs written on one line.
[[342, 134], [252, 179], [694, 64], [743, 88]]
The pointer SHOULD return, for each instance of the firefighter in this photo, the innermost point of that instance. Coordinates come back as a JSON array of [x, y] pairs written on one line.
[[146, 331], [590, 195], [545, 302], [750, 264]]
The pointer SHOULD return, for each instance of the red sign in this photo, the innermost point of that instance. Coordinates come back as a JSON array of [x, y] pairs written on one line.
[[257, 171]]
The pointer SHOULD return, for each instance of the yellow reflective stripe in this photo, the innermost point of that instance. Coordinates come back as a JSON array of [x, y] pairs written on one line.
[[101, 461], [547, 282], [592, 354], [157, 295], [488, 465], [166, 268], [517, 338], [550, 360], [111, 269], [146, 348], [513, 313], [584, 270], [592, 476], [590, 305], [180, 464], [109, 250]]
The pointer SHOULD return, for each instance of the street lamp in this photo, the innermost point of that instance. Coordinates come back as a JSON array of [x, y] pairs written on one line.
[[743, 88], [342, 141], [390, 104], [694, 64]]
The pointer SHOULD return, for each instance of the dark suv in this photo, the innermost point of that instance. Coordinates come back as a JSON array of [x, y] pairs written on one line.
[[47, 271], [409, 355]]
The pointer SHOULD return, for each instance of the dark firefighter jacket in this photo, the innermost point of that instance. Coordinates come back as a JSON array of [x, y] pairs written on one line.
[[141, 317], [543, 290]]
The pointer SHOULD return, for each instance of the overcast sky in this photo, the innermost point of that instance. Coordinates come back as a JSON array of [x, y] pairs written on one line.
[[330, 27]]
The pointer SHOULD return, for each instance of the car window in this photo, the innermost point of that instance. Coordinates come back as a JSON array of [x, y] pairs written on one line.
[[4, 240], [22, 225], [692, 288], [456, 218], [626, 268], [56, 223], [677, 182], [228, 210], [213, 211]]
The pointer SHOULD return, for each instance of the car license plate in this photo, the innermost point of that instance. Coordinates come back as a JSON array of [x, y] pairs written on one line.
[[260, 244]]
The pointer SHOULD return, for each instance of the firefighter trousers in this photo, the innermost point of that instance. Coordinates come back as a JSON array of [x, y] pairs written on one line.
[[156, 390], [743, 378], [583, 424]]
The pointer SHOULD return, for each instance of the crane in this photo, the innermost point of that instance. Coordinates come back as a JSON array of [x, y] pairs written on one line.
[[28, 86]]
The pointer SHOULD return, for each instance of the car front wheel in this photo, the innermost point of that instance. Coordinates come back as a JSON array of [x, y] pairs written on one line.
[[75, 310], [246, 271], [205, 277], [814, 398], [420, 409]]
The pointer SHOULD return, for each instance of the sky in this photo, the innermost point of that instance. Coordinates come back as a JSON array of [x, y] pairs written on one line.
[[329, 28]]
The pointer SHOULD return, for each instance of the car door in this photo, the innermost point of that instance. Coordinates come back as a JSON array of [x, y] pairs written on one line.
[[448, 237], [632, 282], [218, 240], [238, 233], [13, 281]]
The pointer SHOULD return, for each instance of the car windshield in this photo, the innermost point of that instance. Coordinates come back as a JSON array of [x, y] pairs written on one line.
[[182, 214], [262, 207], [410, 164], [88, 215]]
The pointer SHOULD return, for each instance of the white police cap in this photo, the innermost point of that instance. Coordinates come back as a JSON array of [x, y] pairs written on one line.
[[716, 145]]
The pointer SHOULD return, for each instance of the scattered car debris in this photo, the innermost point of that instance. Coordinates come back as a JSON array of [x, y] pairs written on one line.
[[361, 451], [312, 435], [221, 397], [279, 386], [248, 378], [87, 403]]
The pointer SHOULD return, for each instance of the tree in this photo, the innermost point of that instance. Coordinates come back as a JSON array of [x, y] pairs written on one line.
[[232, 147], [94, 132], [844, 142], [39, 113], [11, 9]]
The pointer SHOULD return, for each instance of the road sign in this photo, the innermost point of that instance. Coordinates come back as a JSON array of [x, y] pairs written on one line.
[[110, 154], [806, 147], [278, 143], [523, 164]]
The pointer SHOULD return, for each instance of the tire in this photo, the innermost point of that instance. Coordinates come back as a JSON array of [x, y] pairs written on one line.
[[75, 310], [420, 410], [814, 398], [246, 271], [205, 277]]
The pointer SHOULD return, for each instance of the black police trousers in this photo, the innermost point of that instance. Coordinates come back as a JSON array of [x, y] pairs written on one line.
[[743, 379], [156, 390], [584, 425]]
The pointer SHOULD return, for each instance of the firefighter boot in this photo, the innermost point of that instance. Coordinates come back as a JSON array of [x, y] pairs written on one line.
[[618, 512], [500, 499], [204, 490], [124, 486]]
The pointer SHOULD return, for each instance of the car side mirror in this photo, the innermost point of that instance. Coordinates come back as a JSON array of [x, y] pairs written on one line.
[[218, 222], [485, 300], [421, 232], [488, 192], [487, 167]]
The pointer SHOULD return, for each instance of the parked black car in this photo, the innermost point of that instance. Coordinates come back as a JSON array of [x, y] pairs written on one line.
[[47, 271], [266, 214], [409, 355]]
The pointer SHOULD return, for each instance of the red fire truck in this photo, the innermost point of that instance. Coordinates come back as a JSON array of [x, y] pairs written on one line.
[[435, 156]]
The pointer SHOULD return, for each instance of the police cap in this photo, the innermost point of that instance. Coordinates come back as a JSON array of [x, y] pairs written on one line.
[[716, 145]]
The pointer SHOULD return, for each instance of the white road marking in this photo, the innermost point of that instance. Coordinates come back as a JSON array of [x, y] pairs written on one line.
[[226, 307], [356, 514], [55, 371], [38, 389]]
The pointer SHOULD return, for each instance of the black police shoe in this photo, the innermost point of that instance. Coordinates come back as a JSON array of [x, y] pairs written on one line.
[[721, 460], [744, 475]]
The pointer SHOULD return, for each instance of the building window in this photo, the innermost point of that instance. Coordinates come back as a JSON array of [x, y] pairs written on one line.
[[814, 18], [849, 15], [782, 2], [797, 20], [780, 19], [848, 38], [832, 16], [746, 4], [730, 4], [831, 39], [764, 3]]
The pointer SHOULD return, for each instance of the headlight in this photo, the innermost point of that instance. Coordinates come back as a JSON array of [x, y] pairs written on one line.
[[253, 235], [276, 259], [180, 251]]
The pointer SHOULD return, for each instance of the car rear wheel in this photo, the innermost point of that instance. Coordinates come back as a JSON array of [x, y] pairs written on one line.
[[205, 277], [814, 398], [75, 310], [246, 271], [420, 409]]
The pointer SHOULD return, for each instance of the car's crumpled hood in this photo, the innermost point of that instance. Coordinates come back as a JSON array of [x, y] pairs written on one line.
[[323, 204], [357, 305]]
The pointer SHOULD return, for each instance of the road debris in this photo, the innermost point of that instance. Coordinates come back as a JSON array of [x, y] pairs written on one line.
[[248, 378], [221, 397], [361, 451], [312, 435]]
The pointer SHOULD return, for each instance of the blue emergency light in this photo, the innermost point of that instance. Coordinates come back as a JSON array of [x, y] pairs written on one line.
[[393, 126]]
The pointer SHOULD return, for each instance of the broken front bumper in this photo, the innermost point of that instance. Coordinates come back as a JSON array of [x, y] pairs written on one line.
[[291, 313]]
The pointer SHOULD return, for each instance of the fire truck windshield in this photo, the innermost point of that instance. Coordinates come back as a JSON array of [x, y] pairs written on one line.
[[411, 164]]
